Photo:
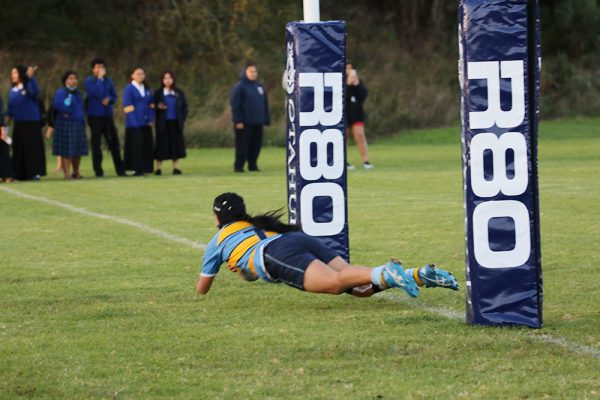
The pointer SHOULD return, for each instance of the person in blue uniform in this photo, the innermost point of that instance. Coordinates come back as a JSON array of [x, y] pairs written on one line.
[[171, 113], [5, 162], [50, 120], [100, 99], [138, 105], [264, 247], [28, 155], [250, 113], [70, 142]]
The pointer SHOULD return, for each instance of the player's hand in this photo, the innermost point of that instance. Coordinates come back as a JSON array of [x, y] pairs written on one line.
[[239, 125], [31, 70]]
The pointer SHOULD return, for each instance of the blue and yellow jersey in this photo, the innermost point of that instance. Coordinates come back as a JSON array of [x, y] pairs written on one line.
[[239, 244]]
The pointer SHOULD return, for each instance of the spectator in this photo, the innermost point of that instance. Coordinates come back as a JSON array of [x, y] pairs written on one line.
[[29, 158], [5, 163], [356, 94], [250, 113], [100, 99], [171, 113], [51, 119], [138, 105], [70, 142]]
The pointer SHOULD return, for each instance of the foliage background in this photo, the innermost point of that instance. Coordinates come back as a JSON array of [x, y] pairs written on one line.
[[404, 50]]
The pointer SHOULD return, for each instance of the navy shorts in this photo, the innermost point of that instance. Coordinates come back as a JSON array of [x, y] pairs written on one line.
[[287, 258]]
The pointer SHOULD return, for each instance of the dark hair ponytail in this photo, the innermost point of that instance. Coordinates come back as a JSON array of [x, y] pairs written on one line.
[[270, 221]]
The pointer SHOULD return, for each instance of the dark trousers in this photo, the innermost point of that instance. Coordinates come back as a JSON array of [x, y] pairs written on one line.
[[105, 126], [248, 142]]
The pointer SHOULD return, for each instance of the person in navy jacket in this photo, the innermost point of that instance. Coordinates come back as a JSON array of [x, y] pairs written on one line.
[[171, 113], [70, 142], [250, 113], [29, 158], [138, 105], [5, 162], [100, 99]]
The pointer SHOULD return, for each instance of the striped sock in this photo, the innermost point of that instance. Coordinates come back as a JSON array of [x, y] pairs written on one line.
[[414, 272]]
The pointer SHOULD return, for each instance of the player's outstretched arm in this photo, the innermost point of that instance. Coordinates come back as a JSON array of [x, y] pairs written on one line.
[[204, 283]]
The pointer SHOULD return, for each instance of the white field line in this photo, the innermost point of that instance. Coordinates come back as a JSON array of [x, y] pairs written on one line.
[[123, 221], [457, 316], [449, 314]]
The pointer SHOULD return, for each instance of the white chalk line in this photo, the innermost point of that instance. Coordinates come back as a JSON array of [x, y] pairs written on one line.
[[123, 221], [446, 313], [457, 316]]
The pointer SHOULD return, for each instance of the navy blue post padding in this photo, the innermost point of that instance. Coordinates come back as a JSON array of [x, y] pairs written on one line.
[[316, 152], [499, 69]]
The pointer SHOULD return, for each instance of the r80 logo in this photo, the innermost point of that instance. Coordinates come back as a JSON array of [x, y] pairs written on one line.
[[321, 170], [509, 182]]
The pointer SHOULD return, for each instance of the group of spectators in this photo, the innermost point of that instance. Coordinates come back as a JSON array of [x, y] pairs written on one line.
[[165, 110]]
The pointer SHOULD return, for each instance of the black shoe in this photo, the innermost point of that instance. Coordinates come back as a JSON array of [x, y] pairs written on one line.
[[122, 174], [176, 171], [238, 170], [138, 174], [99, 174], [158, 172], [254, 169]]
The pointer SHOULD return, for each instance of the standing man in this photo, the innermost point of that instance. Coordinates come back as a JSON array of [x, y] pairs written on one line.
[[99, 102], [250, 113]]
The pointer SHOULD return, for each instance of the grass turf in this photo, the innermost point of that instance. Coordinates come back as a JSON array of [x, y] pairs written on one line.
[[93, 309]]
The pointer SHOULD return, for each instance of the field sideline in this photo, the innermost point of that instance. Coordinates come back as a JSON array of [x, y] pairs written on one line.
[[97, 286]]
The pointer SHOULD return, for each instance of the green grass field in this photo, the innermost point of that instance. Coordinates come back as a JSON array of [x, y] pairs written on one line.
[[93, 308]]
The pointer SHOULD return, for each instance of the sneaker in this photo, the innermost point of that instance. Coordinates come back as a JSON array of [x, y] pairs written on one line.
[[176, 171], [394, 276], [432, 277], [350, 166], [158, 172], [368, 165]]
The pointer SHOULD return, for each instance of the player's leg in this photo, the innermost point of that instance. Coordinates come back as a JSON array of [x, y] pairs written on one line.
[[358, 131], [368, 290], [428, 276], [321, 278]]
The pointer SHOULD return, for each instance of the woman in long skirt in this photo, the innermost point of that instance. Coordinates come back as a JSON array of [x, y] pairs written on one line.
[[29, 158], [171, 113], [70, 142], [138, 105], [51, 120]]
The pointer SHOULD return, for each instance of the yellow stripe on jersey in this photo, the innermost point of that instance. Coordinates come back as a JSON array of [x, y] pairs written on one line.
[[241, 249], [251, 266], [231, 229]]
